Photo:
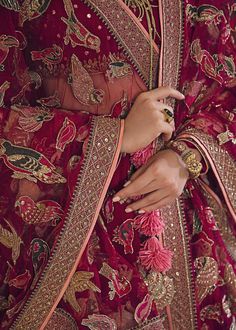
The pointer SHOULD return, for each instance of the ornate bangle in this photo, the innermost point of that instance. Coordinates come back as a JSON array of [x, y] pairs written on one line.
[[193, 165]]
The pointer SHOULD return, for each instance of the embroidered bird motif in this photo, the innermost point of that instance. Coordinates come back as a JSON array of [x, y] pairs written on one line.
[[38, 212], [6, 42], [50, 56], [3, 88], [80, 282], [82, 84], [28, 163], [65, 136], [11, 240], [32, 118], [207, 62], [52, 101], [76, 33], [21, 281]]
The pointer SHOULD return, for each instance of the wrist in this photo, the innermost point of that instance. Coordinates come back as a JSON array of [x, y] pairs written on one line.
[[190, 156]]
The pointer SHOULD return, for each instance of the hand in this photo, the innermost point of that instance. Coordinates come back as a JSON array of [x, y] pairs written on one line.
[[161, 180], [146, 121]]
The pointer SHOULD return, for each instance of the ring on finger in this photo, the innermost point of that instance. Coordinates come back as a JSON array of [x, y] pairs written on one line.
[[169, 116]]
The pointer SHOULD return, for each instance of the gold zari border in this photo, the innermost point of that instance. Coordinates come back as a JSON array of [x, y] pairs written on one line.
[[221, 163], [176, 239], [128, 34], [100, 154]]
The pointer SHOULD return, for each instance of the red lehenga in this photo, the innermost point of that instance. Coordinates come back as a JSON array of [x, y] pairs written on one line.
[[69, 71]]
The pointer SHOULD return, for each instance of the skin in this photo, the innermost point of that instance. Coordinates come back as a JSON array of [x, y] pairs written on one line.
[[163, 178]]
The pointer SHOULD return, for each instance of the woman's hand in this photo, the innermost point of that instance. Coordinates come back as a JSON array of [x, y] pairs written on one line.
[[161, 180], [146, 121]]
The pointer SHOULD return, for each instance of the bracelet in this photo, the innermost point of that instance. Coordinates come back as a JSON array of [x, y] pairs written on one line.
[[193, 165]]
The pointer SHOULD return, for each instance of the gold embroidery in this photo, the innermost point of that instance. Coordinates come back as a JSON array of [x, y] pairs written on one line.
[[82, 84], [79, 283], [12, 4], [3, 88], [6, 42], [161, 288], [100, 154], [61, 320], [31, 9], [11, 240], [223, 165], [176, 237], [76, 33], [128, 35], [207, 276], [226, 137], [230, 280]]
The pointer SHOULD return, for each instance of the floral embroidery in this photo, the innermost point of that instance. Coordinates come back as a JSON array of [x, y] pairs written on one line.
[[118, 284], [76, 33], [31, 119], [98, 322], [80, 282], [31, 9], [82, 84], [11, 240], [124, 235], [3, 88], [40, 212], [6, 42], [49, 56], [28, 163]]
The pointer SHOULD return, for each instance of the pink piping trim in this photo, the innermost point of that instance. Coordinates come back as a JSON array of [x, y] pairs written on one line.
[[113, 168], [214, 168], [160, 82], [135, 19]]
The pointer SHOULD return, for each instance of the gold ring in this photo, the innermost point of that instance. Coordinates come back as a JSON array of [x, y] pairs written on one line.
[[169, 116]]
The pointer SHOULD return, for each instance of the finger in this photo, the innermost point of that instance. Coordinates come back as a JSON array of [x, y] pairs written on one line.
[[132, 189], [167, 131], [163, 92], [148, 200], [162, 203]]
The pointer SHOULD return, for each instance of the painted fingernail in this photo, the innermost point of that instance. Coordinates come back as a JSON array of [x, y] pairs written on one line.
[[128, 210], [141, 211], [127, 183], [116, 199]]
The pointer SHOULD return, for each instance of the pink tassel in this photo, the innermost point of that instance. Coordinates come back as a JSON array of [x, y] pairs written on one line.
[[154, 257], [141, 157], [149, 223]]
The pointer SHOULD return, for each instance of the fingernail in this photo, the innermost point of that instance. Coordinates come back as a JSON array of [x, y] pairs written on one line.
[[183, 96], [128, 210], [127, 183], [116, 199], [141, 211]]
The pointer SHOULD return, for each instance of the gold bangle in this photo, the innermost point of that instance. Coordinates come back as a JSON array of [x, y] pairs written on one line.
[[188, 156]]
